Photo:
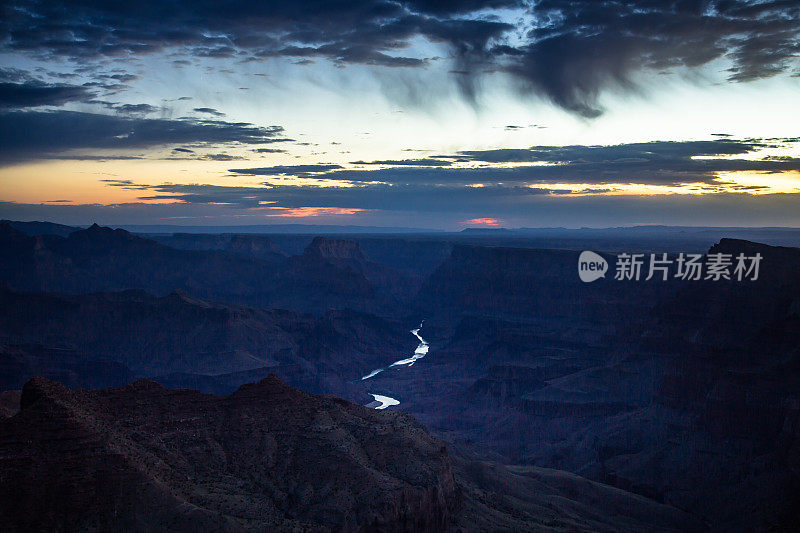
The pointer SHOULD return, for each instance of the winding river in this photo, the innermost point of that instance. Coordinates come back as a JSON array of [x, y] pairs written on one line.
[[420, 352]]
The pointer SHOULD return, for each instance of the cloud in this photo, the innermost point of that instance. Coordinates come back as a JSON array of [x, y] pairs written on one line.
[[647, 150], [176, 156], [37, 94], [416, 197], [221, 157], [171, 214], [135, 109], [425, 162], [476, 187], [569, 52], [282, 170], [390, 208], [209, 111], [362, 31], [652, 163], [449, 7], [577, 50], [35, 134]]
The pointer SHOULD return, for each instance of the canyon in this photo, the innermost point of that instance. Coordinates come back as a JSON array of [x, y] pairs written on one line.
[[674, 400]]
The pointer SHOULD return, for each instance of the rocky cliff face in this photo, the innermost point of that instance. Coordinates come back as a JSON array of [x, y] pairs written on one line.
[[256, 246], [533, 286], [19, 362], [9, 403], [266, 457], [329, 248], [682, 392], [392, 287], [105, 339], [253, 246], [730, 387]]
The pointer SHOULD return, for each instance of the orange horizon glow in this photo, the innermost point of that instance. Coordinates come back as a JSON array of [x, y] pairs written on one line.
[[492, 222]]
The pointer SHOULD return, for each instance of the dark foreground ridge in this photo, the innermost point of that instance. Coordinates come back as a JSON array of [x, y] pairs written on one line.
[[272, 458], [268, 457]]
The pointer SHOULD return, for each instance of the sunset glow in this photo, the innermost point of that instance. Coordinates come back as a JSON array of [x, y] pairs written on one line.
[[410, 129], [482, 222]]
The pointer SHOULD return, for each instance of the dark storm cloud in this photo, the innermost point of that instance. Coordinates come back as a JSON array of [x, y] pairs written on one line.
[[579, 48], [32, 134], [345, 54], [567, 51], [362, 31], [654, 163], [37, 94], [455, 7]]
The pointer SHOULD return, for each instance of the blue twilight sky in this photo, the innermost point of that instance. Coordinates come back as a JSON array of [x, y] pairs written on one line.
[[438, 114]]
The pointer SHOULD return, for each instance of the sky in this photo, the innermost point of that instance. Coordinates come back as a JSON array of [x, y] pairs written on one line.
[[429, 114]]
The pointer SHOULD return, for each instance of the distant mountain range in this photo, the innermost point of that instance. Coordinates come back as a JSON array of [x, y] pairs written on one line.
[[244, 271], [40, 228]]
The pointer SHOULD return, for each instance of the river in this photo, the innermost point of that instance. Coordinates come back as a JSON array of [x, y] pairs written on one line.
[[421, 351]]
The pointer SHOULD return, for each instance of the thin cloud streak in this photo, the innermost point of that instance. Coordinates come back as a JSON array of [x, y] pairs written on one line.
[[29, 135], [664, 163]]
